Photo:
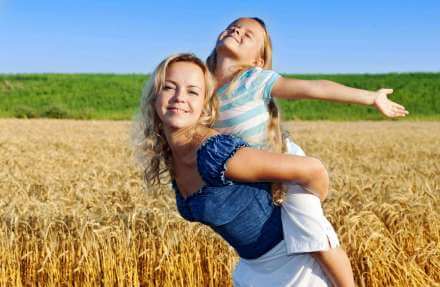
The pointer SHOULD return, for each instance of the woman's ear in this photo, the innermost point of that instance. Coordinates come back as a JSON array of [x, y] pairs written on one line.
[[259, 62]]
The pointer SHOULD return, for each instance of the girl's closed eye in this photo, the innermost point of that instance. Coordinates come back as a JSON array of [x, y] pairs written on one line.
[[193, 92], [230, 29]]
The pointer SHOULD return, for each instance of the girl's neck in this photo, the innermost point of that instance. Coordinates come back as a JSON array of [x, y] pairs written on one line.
[[225, 69]]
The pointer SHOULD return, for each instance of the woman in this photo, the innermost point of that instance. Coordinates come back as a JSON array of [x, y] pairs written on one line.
[[208, 171]]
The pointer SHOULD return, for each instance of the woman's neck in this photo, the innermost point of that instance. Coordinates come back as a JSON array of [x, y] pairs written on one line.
[[184, 142], [181, 142]]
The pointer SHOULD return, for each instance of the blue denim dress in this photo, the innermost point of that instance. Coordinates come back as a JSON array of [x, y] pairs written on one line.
[[242, 213]]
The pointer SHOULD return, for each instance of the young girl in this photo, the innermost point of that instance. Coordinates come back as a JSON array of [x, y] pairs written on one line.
[[207, 167], [245, 87]]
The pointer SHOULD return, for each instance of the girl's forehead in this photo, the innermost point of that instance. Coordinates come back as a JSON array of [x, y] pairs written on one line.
[[248, 23]]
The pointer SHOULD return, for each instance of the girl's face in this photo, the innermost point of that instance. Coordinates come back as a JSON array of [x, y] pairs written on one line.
[[244, 40], [179, 103]]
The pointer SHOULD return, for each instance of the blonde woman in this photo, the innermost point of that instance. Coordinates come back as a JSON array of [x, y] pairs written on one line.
[[209, 171]]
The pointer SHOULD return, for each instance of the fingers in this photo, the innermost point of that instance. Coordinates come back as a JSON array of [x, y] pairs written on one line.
[[390, 108], [399, 106], [386, 91], [398, 111], [396, 105]]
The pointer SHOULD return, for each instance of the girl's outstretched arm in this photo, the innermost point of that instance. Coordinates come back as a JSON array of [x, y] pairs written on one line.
[[327, 90], [253, 165]]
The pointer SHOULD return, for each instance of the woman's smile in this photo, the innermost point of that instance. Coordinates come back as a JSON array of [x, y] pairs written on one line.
[[179, 103], [177, 110]]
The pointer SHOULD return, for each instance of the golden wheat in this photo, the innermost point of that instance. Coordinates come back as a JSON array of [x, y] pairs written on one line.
[[74, 210]]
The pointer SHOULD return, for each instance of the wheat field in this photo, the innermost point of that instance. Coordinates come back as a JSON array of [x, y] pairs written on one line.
[[74, 210]]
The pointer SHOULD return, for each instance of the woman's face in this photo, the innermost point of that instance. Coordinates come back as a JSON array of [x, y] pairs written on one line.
[[243, 39], [179, 104]]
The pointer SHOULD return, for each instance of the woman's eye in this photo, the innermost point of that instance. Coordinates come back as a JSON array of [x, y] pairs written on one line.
[[168, 88], [194, 93]]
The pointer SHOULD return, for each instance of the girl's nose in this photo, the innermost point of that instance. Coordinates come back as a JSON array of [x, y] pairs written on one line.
[[236, 30]]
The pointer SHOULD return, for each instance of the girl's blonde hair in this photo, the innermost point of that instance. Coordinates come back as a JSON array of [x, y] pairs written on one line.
[[274, 135], [151, 147]]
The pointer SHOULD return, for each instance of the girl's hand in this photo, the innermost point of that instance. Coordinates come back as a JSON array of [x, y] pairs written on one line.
[[386, 106]]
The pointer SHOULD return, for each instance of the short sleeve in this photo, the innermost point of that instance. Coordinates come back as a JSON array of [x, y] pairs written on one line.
[[213, 155], [266, 78]]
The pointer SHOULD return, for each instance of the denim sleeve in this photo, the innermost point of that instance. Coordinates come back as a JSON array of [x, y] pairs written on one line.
[[213, 155]]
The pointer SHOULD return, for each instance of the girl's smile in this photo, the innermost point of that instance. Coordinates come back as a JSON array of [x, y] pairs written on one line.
[[243, 40]]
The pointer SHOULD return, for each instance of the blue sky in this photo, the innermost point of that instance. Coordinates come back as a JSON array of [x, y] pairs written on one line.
[[133, 36]]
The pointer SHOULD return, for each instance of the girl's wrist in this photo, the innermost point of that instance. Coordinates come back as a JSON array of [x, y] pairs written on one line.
[[371, 97]]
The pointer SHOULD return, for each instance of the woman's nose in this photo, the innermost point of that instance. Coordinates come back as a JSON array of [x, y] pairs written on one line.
[[179, 96]]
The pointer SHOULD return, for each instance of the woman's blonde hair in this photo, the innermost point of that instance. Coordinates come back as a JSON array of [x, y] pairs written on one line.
[[274, 135], [151, 146]]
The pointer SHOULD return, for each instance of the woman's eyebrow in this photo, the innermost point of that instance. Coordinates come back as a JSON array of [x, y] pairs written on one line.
[[170, 82]]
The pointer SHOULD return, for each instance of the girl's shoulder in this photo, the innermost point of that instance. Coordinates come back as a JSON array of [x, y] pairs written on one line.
[[258, 74], [248, 81], [252, 71]]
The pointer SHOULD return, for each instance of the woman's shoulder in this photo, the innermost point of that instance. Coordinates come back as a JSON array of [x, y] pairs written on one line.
[[224, 141], [213, 155], [197, 135]]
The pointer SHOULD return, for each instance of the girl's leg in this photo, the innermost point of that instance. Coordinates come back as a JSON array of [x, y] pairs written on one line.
[[306, 229], [336, 264]]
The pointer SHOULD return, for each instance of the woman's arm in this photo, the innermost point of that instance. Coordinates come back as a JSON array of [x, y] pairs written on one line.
[[327, 90], [253, 165]]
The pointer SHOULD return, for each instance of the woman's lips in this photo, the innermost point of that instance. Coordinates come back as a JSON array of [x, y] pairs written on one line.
[[176, 110]]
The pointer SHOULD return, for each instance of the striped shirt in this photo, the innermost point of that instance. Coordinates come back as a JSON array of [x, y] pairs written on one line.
[[244, 109]]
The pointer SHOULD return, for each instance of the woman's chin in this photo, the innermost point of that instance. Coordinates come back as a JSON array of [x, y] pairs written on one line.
[[179, 125]]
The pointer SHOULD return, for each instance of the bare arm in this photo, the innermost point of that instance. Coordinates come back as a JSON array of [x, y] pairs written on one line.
[[252, 165], [337, 265], [327, 90]]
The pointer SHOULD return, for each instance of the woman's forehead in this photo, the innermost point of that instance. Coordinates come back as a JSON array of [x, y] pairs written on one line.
[[185, 72]]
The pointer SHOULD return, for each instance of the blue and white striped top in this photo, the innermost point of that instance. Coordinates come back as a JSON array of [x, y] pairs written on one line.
[[244, 109]]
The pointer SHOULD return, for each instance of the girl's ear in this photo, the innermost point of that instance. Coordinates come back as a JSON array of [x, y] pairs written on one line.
[[259, 62]]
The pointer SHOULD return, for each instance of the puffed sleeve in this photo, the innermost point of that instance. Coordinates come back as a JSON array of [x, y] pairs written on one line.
[[213, 155]]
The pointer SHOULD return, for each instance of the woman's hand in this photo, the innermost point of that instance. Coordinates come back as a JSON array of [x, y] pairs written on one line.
[[386, 106]]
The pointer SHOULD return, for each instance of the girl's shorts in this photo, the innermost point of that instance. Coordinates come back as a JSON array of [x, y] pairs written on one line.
[[278, 268], [305, 227]]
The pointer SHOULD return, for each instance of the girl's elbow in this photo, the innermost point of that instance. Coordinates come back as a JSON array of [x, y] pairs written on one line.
[[321, 180], [318, 169]]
